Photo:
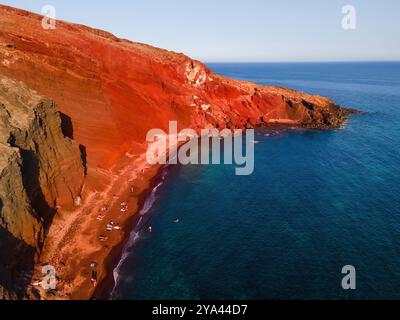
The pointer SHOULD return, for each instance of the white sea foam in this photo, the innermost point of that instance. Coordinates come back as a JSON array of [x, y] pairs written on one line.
[[135, 233]]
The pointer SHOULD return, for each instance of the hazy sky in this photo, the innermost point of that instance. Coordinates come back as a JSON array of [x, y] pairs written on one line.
[[251, 30]]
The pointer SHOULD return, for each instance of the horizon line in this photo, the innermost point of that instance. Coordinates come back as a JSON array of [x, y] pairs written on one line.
[[301, 61]]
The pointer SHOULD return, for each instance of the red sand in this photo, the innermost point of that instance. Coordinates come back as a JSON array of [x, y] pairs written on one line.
[[114, 91]]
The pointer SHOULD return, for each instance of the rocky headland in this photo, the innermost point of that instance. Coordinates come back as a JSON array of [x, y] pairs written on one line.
[[76, 104]]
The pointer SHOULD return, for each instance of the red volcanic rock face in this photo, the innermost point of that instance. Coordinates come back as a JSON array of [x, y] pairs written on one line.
[[110, 92], [41, 171], [115, 90]]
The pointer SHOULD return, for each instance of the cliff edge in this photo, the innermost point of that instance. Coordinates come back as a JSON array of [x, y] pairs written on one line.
[[110, 92], [41, 171], [116, 90]]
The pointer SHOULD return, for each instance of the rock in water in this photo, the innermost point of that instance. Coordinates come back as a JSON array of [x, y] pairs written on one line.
[[114, 91], [111, 92]]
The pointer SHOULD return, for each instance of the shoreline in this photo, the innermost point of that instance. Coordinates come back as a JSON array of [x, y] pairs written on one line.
[[74, 240], [74, 280], [104, 288], [132, 183]]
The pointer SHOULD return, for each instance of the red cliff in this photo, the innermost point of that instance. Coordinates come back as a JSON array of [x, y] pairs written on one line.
[[111, 92], [115, 90]]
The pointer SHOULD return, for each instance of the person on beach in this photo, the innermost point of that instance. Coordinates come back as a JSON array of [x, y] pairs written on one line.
[[103, 238], [94, 278]]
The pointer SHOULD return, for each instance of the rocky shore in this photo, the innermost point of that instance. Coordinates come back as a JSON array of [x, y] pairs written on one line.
[[76, 104]]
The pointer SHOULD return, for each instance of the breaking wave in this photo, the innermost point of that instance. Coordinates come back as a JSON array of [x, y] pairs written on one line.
[[135, 233]]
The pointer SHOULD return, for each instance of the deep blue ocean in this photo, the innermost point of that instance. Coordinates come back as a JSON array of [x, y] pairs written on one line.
[[317, 201]]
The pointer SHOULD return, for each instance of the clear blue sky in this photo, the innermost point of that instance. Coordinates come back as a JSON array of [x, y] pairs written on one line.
[[251, 30]]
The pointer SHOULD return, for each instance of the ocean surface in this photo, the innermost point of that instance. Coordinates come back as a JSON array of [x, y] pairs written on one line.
[[317, 201]]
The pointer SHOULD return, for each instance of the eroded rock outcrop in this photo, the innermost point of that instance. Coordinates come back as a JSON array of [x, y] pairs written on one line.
[[111, 92], [41, 170], [116, 90]]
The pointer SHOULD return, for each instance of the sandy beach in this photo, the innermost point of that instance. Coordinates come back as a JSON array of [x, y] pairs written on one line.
[[89, 241], [73, 244]]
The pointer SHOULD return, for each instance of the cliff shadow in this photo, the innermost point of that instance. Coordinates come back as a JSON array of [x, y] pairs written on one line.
[[67, 129], [31, 179], [83, 151], [66, 126], [16, 264]]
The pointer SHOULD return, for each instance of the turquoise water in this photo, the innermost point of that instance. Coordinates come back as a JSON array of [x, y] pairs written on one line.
[[317, 201]]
